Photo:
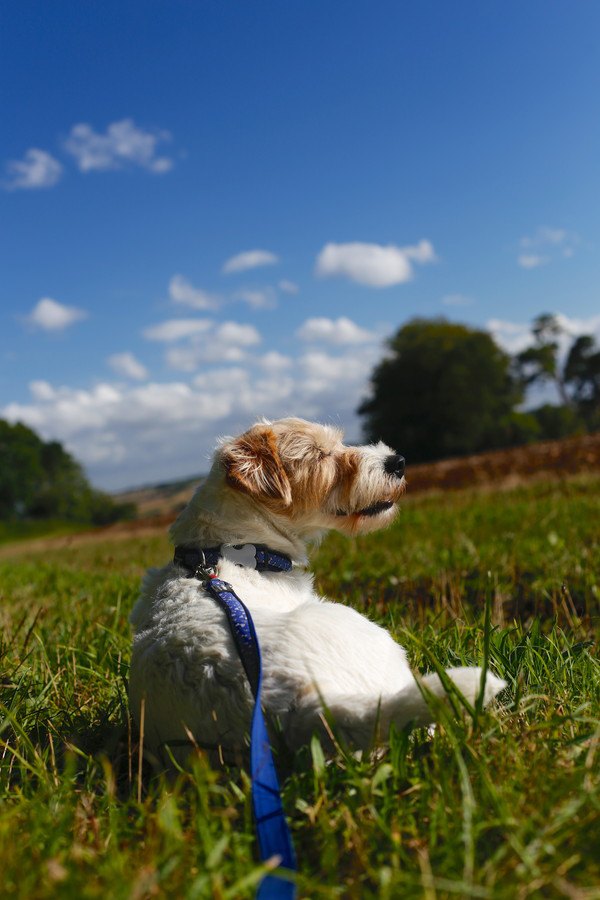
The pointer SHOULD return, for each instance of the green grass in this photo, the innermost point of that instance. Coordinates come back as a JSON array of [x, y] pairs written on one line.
[[499, 804], [26, 530]]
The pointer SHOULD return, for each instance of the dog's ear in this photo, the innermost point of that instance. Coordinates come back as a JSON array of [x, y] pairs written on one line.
[[253, 465]]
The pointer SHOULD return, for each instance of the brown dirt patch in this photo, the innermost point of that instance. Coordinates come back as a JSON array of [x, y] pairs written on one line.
[[509, 468]]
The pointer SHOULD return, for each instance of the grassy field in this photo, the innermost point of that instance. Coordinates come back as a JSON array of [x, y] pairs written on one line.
[[504, 804]]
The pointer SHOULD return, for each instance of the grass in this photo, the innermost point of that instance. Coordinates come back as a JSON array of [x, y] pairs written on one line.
[[26, 530], [503, 803]]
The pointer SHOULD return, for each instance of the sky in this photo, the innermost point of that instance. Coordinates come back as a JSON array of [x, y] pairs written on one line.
[[218, 210]]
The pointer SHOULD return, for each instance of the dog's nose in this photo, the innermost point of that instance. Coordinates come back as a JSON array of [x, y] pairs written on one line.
[[394, 465]]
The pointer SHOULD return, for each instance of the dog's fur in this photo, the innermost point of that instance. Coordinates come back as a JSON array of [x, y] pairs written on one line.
[[282, 484]]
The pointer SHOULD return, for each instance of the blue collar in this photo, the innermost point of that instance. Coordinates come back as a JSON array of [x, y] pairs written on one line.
[[204, 560]]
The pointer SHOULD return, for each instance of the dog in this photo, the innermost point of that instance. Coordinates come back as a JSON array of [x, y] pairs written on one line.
[[280, 485]]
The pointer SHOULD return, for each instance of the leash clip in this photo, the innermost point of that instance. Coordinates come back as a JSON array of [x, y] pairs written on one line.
[[204, 571]]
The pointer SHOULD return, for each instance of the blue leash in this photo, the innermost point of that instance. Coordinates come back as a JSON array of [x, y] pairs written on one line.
[[274, 838]]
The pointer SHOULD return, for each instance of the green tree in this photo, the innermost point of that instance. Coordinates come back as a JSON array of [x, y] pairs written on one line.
[[540, 362], [576, 376], [582, 375], [556, 422], [444, 390], [20, 468], [40, 480]]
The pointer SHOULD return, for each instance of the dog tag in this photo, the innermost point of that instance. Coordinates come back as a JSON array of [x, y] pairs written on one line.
[[241, 555]]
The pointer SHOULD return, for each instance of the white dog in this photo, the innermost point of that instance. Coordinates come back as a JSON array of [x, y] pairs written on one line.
[[280, 485]]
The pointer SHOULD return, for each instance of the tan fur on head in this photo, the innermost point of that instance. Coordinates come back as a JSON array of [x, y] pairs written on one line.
[[253, 465], [290, 465], [309, 454]]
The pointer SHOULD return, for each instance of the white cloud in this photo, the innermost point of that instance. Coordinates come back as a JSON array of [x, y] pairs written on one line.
[[328, 383], [50, 315], [532, 260], [273, 361], [258, 298], [323, 370], [544, 245], [122, 144], [37, 169], [176, 329], [233, 332], [249, 259], [187, 358], [545, 235], [233, 378], [373, 264], [226, 343], [577, 327], [191, 357], [456, 300], [334, 331], [41, 390], [288, 287], [128, 366], [511, 336], [181, 291]]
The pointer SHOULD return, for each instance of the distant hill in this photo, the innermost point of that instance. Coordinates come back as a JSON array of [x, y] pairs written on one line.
[[158, 500]]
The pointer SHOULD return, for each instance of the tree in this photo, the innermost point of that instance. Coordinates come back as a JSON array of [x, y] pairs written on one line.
[[443, 390], [40, 480], [20, 468], [540, 361], [582, 374], [556, 422], [576, 375]]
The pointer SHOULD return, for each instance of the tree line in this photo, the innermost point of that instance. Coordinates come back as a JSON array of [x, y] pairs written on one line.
[[41, 480], [446, 389]]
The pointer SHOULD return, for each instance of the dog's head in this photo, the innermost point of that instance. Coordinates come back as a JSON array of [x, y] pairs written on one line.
[[304, 472]]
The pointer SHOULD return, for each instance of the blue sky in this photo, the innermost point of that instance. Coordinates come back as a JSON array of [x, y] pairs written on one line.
[[213, 211]]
